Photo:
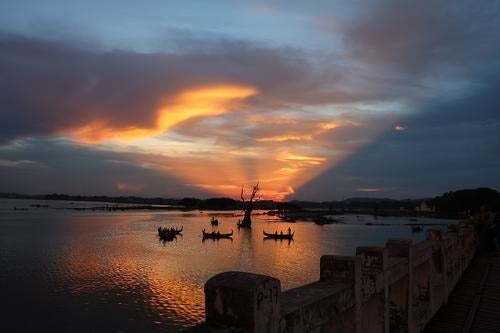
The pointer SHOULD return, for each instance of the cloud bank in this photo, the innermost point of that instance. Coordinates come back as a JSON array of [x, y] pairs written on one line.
[[214, 113]]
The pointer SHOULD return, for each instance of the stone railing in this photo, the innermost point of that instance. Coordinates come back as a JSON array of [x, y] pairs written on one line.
[[397, 288]]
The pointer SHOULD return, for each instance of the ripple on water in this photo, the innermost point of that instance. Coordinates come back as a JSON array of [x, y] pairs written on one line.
[[111, 265]]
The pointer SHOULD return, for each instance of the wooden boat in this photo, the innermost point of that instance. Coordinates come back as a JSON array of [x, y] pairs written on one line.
[[280, 235], [168, 234], [170, 230], [216, 234]]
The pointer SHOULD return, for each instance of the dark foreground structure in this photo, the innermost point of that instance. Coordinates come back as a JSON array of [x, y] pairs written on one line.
[[474, 305], [397, 288]]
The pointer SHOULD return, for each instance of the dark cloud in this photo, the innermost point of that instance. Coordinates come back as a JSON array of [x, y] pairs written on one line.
[[49, 86], [417, 37], [439, 60], [47, 166], [447, 52], [449, 145]]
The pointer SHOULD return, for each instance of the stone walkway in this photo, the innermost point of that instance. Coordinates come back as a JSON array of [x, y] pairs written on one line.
[[474, 305]]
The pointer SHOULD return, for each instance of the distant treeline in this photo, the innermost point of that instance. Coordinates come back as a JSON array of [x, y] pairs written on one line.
[[453, 203], [467, 201], [459, 203], [94, 198], [185, 203], [358, 204]]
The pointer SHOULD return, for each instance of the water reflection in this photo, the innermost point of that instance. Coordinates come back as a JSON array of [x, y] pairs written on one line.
[[278, 240], [108, 271]]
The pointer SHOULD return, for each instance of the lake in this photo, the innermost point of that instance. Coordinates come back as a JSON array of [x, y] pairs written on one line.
[[96, 271]]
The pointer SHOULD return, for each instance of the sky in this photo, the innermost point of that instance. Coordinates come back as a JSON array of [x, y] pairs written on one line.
[[320, 100]]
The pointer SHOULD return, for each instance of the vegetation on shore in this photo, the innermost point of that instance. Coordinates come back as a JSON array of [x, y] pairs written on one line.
[[451, 204]]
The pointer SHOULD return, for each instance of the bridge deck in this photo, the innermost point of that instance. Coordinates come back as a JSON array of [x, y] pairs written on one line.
[[474, 305]]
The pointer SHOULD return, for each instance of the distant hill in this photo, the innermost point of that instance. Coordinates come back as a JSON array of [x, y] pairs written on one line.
[[366, 204], [368, 200], [453, 204]]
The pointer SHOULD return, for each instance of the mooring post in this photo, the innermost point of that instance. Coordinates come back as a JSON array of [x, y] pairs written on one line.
[[246, 301]]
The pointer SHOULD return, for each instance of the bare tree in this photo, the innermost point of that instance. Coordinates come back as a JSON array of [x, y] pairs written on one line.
[[248, 206]]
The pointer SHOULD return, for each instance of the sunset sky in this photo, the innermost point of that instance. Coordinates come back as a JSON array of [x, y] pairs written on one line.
[[317, 100]]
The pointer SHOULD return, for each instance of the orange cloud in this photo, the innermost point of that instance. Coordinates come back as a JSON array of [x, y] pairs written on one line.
[[277, 174], [282, 152], [282, 138], [124, 187], [302, 159], [202, 102], [318, 128], [336, 124], [370, 189], [98, 131], [189, 104]]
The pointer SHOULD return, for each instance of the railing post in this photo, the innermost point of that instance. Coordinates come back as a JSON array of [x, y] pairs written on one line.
[[375, 288], [422, 292], [400, 285], [470, 237], [440, 279], [452, 259], [249, 302], [345, 270]]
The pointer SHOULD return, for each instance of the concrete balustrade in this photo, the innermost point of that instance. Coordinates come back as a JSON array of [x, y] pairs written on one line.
[[396, 288]]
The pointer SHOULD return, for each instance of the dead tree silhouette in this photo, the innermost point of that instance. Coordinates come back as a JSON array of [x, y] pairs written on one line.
[[248, 205]]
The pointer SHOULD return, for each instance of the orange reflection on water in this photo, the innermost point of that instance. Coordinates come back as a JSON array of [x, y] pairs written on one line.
[[116, 259]]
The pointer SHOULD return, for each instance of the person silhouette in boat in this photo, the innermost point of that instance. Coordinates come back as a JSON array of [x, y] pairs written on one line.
[[289, 231]]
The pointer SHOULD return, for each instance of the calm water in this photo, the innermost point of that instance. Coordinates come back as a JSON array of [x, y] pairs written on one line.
[[81, 271]]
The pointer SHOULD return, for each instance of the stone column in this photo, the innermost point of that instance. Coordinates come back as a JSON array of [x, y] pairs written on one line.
[[375, 288], [440, 279], [347, 271], [249, 302], [450, 240], [422, 284], [400, 285]]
